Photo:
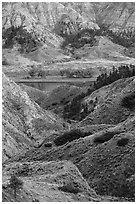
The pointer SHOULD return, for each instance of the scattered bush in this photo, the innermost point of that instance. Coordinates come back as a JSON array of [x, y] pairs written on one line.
[[69, 188], [41, 73], [15, 184], [4, 62], [82, 73], [35, 200], [104, 137], [31, 73], [122, 141], [19, 35], [48, 144], [24, 170], [72, 109], [68, 137], [125, 38], [35, 72], [129, 101], [79, 39]]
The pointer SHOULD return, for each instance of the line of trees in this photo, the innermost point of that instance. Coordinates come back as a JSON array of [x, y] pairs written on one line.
[[36, 73], [86, 73], [76, 110], [124, 37], [124, 71], [76, 40]]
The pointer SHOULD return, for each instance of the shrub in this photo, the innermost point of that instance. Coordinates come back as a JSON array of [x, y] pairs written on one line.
[[48, 144], [4, 62], [122, 141], [41, 73], [104, 137], [68, 137], [129, 101], [31, 73], [35, 200], [69, 188], [15, 184]]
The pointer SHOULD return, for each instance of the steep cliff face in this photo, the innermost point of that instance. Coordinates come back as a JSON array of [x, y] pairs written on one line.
[[24, 122]]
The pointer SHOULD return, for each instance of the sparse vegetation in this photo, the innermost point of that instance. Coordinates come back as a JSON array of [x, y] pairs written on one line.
[[83, 73], [104, 137], [48, 144], [36, 73], [72, 110], [15, 184], [4, 62], [70, 188], [70, 136], [122, 141], [124, 71], [125, 37], [129, 101], [79, 39], [19, 35]]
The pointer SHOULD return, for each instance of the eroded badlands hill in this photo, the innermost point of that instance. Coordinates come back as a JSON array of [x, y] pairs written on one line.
[[24, 122], [48, 182], [108, 153], [96, 162], [108, 107]]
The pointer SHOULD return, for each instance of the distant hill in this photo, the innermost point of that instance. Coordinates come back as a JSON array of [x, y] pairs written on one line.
[[49, 23]]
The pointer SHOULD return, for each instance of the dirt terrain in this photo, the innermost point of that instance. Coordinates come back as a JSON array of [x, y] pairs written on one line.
[[76, 142]]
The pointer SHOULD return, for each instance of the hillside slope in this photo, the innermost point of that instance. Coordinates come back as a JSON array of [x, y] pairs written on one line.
[[105, 104], [47, 182], [24, 122], [108, 153], [116, 15], [89, 156]]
